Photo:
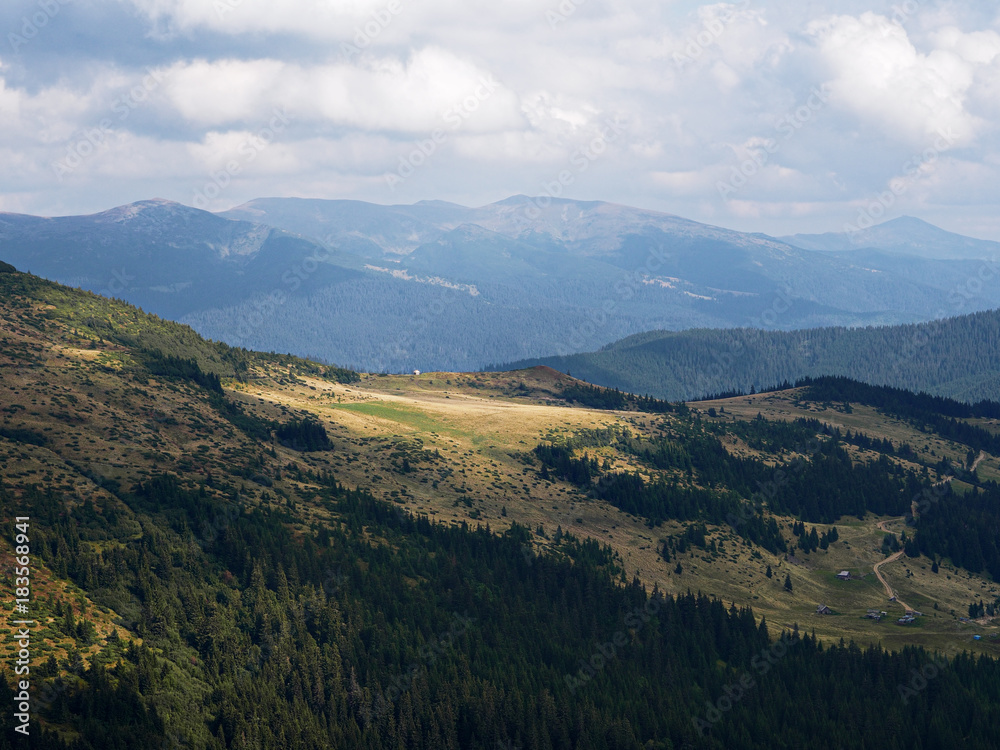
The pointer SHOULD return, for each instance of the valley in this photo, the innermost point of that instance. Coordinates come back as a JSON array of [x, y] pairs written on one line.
[[200, 513]]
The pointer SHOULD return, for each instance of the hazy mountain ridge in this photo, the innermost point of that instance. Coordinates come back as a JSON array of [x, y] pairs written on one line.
[[161, 255], [903, 236], [587, 227], [307, 276]]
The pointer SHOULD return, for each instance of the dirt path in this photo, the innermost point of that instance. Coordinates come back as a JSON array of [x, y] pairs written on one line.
[[881, 578], [890, 592], [980, 457]]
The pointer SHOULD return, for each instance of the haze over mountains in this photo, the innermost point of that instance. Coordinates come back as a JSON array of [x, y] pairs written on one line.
[[903, 236], [438, 286]]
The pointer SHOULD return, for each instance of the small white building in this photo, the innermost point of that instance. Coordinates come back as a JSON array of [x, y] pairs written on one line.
[[416, 372], [844, 575]]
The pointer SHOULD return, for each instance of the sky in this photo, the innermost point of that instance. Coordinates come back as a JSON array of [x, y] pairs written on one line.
[[778, 117]]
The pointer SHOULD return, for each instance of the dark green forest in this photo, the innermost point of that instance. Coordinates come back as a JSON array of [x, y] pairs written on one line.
[[594, 397], [965, 527], [253, 638], [953, 357]]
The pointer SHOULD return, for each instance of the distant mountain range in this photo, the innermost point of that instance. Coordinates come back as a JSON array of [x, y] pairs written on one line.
[[956, 357], [903, 236], [438, 286], [165, 257]]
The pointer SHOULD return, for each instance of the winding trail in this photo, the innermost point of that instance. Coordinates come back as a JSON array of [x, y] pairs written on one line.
[[878, 574], [890, 592]]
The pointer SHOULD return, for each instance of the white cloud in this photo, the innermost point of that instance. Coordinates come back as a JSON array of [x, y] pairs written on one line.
[[879, 75], [699, 86], [979, 47], [434, 89], [225, 91]]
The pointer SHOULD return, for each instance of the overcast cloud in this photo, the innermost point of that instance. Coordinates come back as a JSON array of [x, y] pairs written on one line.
[[775, 116]]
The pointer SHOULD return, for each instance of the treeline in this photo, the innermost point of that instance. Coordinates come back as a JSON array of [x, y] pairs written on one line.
[[941, 415], [665, 500], [312, 367], [776, 436], [812, 541], [736, 393], [180, 368], [815, 480], [822, 489], [559, 461], [895, 401], [830, 485], [612, 399], [23, 435], [303, 435], [298, 434]]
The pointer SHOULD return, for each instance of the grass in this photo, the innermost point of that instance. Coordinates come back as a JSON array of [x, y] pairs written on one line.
[[399, 415]]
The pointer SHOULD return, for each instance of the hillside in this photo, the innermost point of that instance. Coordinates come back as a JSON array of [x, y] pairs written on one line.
[[955, 357], [436, 286], [234, 550]]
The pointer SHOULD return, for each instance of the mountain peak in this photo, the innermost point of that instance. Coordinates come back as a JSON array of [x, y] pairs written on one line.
[[908, 220], [159, 206], [904, 235], [514, 200], [438, 204], [545, 201], [904, 224]]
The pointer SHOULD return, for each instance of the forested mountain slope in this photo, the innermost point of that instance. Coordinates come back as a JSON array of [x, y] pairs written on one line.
[[235, 550], [957, 357]]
